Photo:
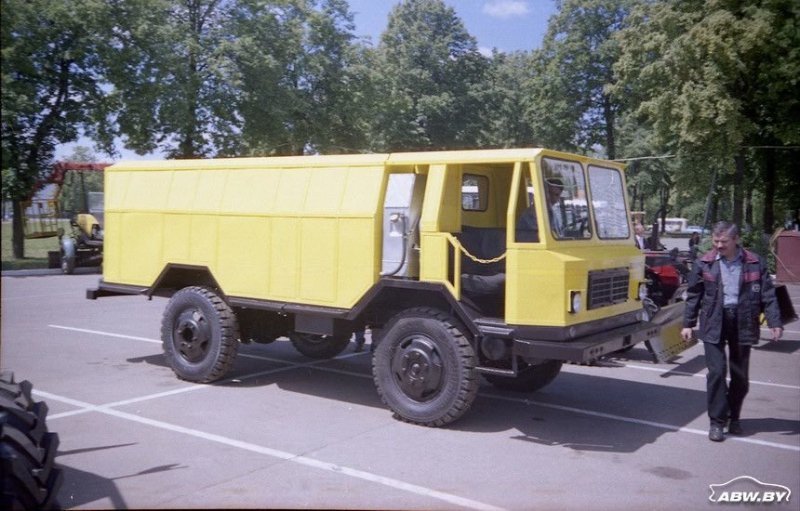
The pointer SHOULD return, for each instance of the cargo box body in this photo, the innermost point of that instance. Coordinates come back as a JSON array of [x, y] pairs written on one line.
[[303, 230]]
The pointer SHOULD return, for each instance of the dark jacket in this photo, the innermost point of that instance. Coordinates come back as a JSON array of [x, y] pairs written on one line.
[[705, 298]]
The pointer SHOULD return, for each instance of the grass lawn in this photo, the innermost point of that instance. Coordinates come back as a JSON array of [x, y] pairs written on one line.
[[35, 250]]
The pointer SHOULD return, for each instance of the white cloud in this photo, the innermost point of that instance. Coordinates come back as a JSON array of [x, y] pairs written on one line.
[[485, 51], [505, 8]]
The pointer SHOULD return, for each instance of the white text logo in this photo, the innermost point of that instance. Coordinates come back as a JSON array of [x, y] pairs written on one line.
[[749, 490]]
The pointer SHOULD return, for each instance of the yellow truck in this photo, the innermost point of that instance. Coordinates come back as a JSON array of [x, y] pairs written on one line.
[[501, 263]]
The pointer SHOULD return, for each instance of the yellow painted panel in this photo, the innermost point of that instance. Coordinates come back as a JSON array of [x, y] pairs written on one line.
[[539, 293], [434, 192], [284, 246], [251, 191], [362, 193], [244, 256], [111, 247], [203, 239], [319, 259], [182, 191], [292, 190], [210, 187], [325, 191], [115, 184], [140, 250], [358, 260], [433, 257], [147, 191], [177, 228]]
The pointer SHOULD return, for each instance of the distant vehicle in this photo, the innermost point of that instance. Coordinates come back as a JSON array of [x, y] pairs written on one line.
[[697, 228], [675, 224]]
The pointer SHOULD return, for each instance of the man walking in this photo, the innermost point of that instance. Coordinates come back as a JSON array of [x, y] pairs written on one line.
[[729, 287]]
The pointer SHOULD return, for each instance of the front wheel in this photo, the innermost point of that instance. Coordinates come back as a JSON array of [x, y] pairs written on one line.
[[529, 379], [200, 335], [424, 368]]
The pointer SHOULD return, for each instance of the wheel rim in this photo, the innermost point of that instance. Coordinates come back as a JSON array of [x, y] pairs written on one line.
[[192, 335], [417, 368]]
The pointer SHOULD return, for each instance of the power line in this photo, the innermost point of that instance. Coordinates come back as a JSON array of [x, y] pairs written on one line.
[[665, 156]]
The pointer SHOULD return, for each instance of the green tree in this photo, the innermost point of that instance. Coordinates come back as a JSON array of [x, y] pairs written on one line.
[[429, 78], [714, 78], [505, 123], [51, 90], [570, 106], [168, 73], [300, 77]]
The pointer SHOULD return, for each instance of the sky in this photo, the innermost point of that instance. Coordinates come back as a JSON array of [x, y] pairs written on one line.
[[507, 25]]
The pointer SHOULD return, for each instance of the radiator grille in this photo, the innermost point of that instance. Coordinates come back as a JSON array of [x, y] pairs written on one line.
[[607, 287]]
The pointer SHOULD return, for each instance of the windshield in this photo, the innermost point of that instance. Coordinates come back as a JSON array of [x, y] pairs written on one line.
[[566, 203], [608, 201]]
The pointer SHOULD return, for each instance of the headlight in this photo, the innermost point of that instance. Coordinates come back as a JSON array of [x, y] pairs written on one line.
[[575, 301], [642, 291]]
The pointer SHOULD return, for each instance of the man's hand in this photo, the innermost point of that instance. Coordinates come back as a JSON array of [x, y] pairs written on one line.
[[777, 332], [686, 334]]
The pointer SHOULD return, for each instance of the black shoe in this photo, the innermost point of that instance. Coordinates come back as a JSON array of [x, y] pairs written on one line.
[[735, 427], [715, 433]]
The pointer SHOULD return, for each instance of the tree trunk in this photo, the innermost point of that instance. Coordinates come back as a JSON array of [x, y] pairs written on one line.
[[769, 191], [608, 113], [18, 230], [738, 180], [748, 207], [711, 207]]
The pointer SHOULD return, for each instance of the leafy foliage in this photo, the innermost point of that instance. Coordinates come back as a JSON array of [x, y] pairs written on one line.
[[429, 76], [710, 85]]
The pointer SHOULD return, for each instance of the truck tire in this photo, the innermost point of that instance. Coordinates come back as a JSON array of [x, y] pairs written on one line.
[[529, 379], [424, 368], [199, 334], [30, 479], [319, 346]]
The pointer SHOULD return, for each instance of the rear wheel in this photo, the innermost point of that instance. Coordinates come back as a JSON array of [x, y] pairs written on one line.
[[200, 335], [529, 379], [319, 346], [30, 479], [424, 368]]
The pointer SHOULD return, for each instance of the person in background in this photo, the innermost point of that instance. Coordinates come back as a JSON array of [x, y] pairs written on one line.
[[358, 337], [694, 245], [554, 189], [731, 286], [641, 241]]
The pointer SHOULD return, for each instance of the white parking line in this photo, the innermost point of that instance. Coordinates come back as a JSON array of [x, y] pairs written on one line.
[[107, 334], [640, 422], [283, 455], [621, 418], [703, 375]]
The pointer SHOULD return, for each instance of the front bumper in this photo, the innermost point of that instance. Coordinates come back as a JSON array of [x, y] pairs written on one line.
[[662, 334]]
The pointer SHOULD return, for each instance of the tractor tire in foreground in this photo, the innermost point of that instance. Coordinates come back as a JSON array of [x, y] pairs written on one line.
[[30, 479], [424, 368]]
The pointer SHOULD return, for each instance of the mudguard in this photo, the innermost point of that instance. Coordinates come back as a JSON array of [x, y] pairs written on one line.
[[668, 343]]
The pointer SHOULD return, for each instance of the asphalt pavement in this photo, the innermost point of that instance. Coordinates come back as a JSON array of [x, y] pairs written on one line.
[[285, 431]]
